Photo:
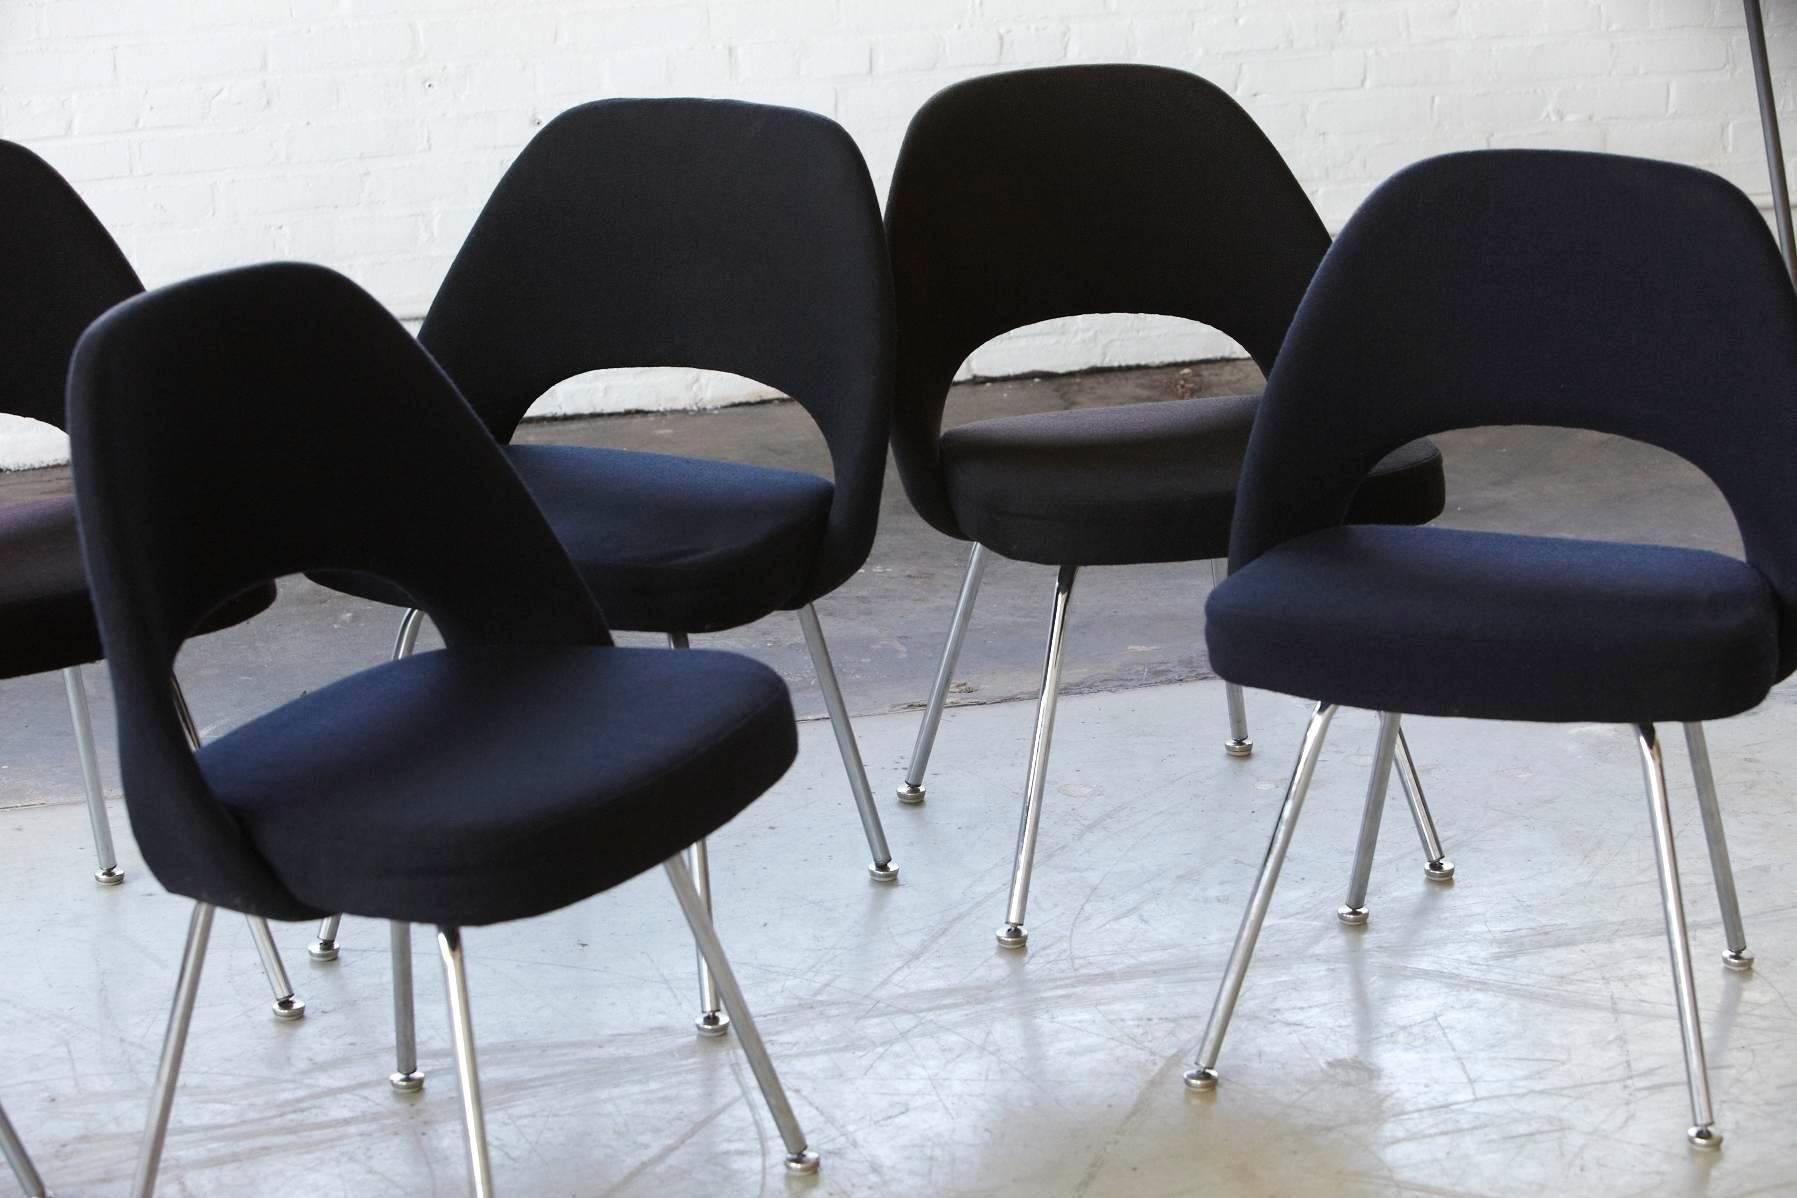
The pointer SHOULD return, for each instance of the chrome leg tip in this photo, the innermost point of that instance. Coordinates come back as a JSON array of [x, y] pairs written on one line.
[[112, 875], [406, 1083], [883, 873], [1240, 747], [1354, 917], [909, 794], [322, 950], [1013, 935], [1441, 870], [1740, 962], [1706, 1138], [290, 1008], [803, 1163], [712, 1024], [1201, 1080]]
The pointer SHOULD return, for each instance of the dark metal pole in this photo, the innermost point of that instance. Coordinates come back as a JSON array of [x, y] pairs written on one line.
[[1775, 155]]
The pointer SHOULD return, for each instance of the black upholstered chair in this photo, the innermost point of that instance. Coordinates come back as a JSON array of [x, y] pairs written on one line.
[[1584, 291], [693, 233], [1038, 194], [23, 1171], [527, 766], [59, 269]]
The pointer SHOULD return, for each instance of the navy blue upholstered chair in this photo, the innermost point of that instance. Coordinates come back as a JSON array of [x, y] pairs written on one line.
[[1037, 194], [691, 233], [527, 766], [1630, 297], [23, 1171], [59, 269]]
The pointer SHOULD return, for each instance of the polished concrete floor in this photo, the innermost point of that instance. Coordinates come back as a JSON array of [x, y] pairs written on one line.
[[1512, 1032]]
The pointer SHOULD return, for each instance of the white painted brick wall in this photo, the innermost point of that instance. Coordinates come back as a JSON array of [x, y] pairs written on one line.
[[366, 133]]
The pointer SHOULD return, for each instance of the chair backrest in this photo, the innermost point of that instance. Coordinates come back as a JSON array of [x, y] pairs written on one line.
[[269, 421], [696, 233], [59, 269], [1621, 295], [1064, 191]]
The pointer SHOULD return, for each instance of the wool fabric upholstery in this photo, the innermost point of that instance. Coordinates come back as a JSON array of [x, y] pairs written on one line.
[[1030, 195], [1574, 290], [1148, 482], [46, 614], [1437, 621], [488, 784], [667, 543], [534, 755], [59, 269], [707, 234]]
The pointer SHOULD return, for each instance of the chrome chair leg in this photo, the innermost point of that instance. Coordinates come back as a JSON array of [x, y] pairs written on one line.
[[109, 873], [325, 948], [711, 1020], [1238, 744], [1737, 957], [184, 713], [1378, 782], [405, 1077], [1013, 934], [287, 1005], [461, 1027], [881, 868], [22, 1169], [912, 791], [1436, 866], [174, 1043], [1203, 1074], [799, 1157], [407, 638], [1702, 1133]]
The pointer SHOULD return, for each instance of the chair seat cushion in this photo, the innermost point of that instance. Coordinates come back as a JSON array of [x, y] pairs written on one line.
[[669, 544], [46, 614], [1434, 621], [469, 787], [1137, 483]]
